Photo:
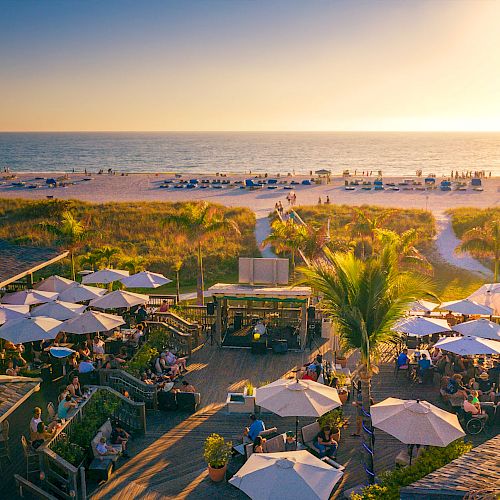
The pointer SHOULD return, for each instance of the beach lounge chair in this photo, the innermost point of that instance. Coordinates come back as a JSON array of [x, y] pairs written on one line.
[[306, 182], [476, 184], [249, 183], [445, 186], [295, 183], [272, 181], [193, 181], [379, 185], [349, 188], [190, 186]]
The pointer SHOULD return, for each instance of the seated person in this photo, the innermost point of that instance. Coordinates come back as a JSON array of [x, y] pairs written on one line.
[[472, 385], [104, 449], [85, 366], [172, 359], [11, 371], [42, 433], [84, 350], [146, 379], [436, 355], [494, 373], [187, 387], [471, 407], [423, 367], [137, 335], [325, 443], [97, 347], [120, 436], [164, 307], [258, 445], [74, 387], [485, 387], [290, 442], [165, 367], [141, 315], [256, 427], [36, 419], [73, 361], [65, 405], [309, 375], [403, 360]]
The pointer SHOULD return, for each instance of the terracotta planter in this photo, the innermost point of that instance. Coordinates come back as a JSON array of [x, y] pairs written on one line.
[[342, 362], [343, 396], [217, 475]]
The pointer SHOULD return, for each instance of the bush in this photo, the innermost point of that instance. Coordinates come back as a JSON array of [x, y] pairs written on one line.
[[334, 419], [430, 460], [217, 451], [71, 452], [147, 352]]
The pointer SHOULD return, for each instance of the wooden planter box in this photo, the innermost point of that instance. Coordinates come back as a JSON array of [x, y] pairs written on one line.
[[239, 402]]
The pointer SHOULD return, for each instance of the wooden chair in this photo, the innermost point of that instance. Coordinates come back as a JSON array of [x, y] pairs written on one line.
[[51, 411], [31, 457]]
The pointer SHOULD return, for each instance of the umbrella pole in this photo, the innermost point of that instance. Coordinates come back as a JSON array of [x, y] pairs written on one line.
[[411, 452], [296, 433]]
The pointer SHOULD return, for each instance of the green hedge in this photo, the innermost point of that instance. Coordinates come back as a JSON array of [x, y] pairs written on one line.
[[146, 353], [432, 459]]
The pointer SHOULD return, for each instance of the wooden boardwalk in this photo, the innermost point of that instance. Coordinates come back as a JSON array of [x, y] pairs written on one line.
[[167, 462]]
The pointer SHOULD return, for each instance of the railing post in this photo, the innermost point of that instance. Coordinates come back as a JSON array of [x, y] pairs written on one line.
[[83, 483], [155, 399], [142, 410]]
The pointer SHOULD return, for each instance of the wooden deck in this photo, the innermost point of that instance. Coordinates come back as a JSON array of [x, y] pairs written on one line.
[[167, 463]]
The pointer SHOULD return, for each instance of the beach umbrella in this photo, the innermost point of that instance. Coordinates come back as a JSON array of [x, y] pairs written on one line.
[[416, 422], [81, 293], [488, 295], [29, 297], [466, 306], [8, 312], [294, 475], [19, 331], [469, 345], [54, 284], [420, 326], [297, 398], [105, 276], [92, 321], [145, 279], [422, 306], [119, 299], [58, 310], [482, 328], [61, 352]]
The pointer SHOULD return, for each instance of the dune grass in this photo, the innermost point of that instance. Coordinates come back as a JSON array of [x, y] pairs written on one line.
[[136, 230], [465, 218]]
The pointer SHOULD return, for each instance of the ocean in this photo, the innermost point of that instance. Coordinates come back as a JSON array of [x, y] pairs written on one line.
[[396, 154]]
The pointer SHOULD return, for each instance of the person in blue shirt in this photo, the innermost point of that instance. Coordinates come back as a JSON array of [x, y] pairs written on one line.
[[423, 365], [256, 427], [403, 360]]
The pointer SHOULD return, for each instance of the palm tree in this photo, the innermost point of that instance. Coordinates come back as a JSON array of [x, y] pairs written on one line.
[[108, 255], [404, 243], [364, 225], [177, 268], [134, 264], [317, 238], [70, 232], [199, 222], [485, 242], [365, 298], [287, 236], [91, 259]]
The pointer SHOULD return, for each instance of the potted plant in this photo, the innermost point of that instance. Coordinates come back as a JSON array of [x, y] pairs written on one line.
[[217, 452], [249, 389], [335, 420], [340, 358]]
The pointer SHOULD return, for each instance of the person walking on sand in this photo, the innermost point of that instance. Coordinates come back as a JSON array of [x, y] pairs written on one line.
[[294, 199], [319, 200], [327, 202]]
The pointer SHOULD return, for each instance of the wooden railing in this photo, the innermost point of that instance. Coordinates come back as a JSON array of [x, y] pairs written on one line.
[[180, 328], [63, 478], [197, 314], [121, 380], [156, 300], [182, 344]]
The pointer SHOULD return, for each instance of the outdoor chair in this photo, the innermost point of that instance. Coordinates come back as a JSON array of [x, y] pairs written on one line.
[[309, 433], [51, 412], [31, 457], [398, 368], [4, 441], [474, 424]]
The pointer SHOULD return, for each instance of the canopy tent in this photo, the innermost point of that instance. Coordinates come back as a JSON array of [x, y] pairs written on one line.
[[81, 293], [469, 345], [8, 312], [54, 284], [92, 321], [29, 297], [482, 328], [294, 475], [119, 299], [466, 306], [145, 279], [488, 295], [19, 331], [421, 327], [323, 171], [416, 422], [105, 276], [58, 310], [422, 306]]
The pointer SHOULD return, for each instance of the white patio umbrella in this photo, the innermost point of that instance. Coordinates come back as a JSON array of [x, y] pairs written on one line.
[[58, 310], [466, 306], [92, 321], [19, 331], [482, 328], [294, 475], [145, 279], [29, 297], [422, 306], [469, 345], [119, 299], [54, 284], [297, 398], [105, 276], [81, 293], [488, 295], [416, 422], [420, 326], [8, 312]]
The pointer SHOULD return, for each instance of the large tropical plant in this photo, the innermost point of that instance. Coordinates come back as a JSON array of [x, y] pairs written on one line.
[[108, 255], [200, 222], [365, 298], [366, 225], [70, 232], [484, 242], [91, 259], [133, 264]]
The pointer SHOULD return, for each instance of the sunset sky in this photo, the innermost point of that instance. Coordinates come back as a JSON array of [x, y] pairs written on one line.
[[140, 65]]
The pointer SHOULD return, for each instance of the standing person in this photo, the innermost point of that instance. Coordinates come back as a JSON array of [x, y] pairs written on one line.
[[319, 200], [289, 199], [327, 202], [294, 199], [141, 315]]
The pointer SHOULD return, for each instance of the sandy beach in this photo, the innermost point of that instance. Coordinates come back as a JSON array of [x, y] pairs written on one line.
[[146, 187]]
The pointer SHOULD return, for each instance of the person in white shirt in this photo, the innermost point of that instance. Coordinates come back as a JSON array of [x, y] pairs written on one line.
[[105, 449]]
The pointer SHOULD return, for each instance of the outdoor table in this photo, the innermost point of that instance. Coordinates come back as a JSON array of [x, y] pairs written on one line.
[[413, 363], [101, 468]]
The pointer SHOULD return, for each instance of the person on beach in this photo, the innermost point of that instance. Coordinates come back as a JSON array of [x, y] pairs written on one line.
[[327, 202]]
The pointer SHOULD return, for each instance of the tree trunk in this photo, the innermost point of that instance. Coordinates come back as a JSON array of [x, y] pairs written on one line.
[[293, 264], [367, 430], [177, 286], [201, 284], [72, 257]]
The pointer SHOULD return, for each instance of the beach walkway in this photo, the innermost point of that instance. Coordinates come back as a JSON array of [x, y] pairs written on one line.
[[168, 463]]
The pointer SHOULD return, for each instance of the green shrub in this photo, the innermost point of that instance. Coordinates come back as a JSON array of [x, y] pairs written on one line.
[[432, 459], [334, 419], [71, 452], [147, 352], [217, 451]]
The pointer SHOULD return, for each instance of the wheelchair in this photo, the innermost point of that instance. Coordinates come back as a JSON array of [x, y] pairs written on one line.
[[473, 424]]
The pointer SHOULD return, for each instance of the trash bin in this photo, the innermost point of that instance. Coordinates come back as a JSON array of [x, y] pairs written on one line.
[[280, 346]]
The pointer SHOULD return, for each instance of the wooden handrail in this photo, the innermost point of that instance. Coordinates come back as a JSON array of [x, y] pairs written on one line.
[[24, 484]]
